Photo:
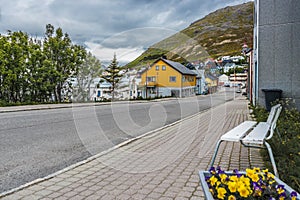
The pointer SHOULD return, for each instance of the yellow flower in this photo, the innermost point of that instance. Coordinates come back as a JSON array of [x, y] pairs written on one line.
[[232, 186], [234, 178], [255, 177], [257, 192], [281, 198], [271, 182], [231, 197], [256, 169], [249, 172], [243, 191], [213, 180], [269, 175], [221, 192], [280, 190], [245, 180], [265, 171], [223, 178]]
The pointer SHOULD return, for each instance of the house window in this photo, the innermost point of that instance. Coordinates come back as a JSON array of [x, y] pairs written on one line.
[[172, 78], [163, 68], [151, 78], [157, 67]]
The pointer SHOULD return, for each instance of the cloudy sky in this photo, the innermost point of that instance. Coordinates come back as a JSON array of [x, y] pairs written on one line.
[[126, 27]]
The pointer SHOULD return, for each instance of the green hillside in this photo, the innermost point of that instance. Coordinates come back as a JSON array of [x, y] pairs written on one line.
[[222, 32]]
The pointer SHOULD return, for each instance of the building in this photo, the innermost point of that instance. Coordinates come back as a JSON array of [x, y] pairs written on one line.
[[276, 48], [102, 91], [167, 78], [201, 87], [229, 66], [238, 78], [223, 80], [128, 88], [212, 83]]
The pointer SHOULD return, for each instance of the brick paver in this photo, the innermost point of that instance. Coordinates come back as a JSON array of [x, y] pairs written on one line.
[[162, 165]]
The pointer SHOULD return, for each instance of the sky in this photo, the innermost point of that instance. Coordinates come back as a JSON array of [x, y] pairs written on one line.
[[105, 27]]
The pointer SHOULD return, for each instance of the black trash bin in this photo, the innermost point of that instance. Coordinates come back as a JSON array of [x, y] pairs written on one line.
[[271, 95]]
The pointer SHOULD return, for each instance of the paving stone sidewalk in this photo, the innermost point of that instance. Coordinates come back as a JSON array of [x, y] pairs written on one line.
[[160, 165]]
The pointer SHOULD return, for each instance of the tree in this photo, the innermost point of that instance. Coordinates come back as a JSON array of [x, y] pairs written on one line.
[[112, 75], [88, 71], [33, 70], [15, 74], [62, 57]]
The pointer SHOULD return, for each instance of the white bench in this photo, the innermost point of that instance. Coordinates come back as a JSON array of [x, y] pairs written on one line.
[[253, 134]]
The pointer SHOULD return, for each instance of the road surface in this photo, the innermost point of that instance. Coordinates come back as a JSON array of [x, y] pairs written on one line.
[[36, 143]]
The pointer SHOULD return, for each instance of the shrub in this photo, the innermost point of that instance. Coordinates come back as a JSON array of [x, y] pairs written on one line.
[[285, 144]]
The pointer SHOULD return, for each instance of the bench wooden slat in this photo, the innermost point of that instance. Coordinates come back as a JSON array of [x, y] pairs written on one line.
[[258, 134], [238, 132]]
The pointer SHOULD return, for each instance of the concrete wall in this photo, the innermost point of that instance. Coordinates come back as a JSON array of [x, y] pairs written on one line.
[[278, 48]]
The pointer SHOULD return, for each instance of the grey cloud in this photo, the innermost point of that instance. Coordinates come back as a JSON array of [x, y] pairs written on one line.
[[111, 23]]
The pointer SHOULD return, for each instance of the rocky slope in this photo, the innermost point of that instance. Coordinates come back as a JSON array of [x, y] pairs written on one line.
[[222, 32]]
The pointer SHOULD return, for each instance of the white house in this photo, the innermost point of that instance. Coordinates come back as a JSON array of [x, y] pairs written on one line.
[[223, 79], [201, 86]]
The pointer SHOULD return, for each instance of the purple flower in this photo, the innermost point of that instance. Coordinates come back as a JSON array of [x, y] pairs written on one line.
[[293, 194], [282, 196], [237, 173], [256, 186], [212, 170], [206, 178], [280, 186], [220, 171]]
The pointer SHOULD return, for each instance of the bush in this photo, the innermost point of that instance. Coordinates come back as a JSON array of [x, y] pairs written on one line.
[[286, 144]]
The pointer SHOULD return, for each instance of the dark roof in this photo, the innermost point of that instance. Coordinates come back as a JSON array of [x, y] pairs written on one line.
[[179, 67], [210, 76]]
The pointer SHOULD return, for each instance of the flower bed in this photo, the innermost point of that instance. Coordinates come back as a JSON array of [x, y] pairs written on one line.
[[251, 184]]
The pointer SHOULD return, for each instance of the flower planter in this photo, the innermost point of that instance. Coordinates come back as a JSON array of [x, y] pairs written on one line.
[[209, 196]]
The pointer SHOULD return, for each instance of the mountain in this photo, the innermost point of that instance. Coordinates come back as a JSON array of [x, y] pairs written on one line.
[[222, 32]]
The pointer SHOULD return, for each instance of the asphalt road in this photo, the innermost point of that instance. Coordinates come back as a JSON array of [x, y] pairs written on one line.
[[36, 143]]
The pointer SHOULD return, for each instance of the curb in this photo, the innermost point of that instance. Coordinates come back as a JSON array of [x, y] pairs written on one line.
[[71, 105], [59, 106]]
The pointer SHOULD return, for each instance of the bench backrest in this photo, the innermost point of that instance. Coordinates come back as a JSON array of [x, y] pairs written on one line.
[[272, 119], [273, 113]]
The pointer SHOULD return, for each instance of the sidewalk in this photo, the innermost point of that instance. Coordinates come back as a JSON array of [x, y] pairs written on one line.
[[163, 164]]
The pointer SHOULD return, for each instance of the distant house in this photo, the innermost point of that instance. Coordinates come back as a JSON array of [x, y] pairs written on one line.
[[229, 66], [201, 86], [223, 79], [238, 78], [212, 83], [129, 87], [167, 78], [102, 90]]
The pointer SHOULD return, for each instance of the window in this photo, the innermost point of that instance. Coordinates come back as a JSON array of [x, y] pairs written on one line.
[[157, 67], [151, 78], [172, 78], [163, 68]]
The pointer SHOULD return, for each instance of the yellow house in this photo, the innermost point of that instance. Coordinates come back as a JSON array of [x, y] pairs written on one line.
[[167, 78], [212, 83]]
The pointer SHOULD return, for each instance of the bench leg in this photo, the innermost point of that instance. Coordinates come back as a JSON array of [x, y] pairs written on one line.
[[215, 153], [272, 159]]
